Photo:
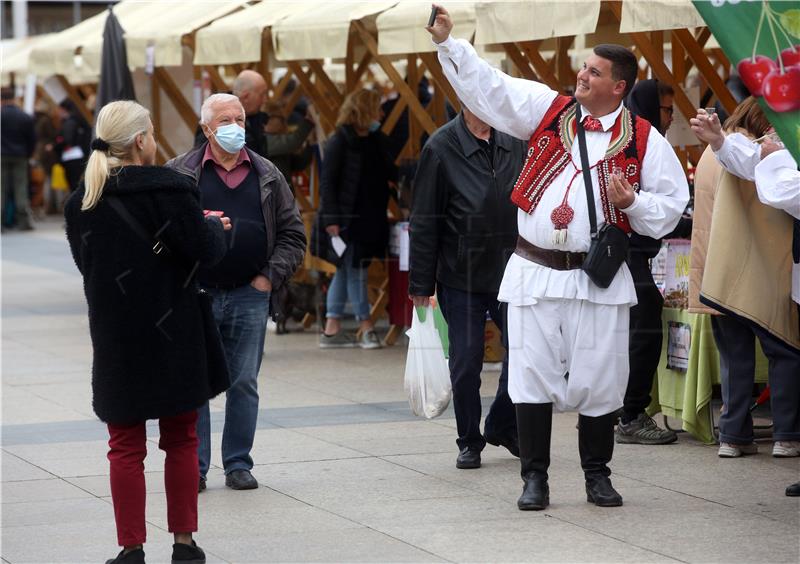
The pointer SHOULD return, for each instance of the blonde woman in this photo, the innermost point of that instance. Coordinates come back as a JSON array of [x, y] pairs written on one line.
[[354, 189], [144, 317]]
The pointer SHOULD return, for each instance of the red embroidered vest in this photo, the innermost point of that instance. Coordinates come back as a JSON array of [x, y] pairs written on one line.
[[549, 152]]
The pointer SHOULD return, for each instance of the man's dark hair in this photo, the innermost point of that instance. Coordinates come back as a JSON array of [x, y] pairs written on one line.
[[6, 93], [624, 65]]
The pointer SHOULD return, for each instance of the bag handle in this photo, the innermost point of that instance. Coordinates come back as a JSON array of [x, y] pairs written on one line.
[[587, 175], [158, 246]]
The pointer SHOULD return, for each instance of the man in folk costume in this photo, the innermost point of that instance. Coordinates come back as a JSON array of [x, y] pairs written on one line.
[[568, 338]]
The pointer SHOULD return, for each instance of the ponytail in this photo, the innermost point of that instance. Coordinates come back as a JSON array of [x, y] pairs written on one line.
[[118, 125]]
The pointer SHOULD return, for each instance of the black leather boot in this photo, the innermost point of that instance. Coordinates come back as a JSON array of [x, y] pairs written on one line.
[[596, 445], [534, 425]]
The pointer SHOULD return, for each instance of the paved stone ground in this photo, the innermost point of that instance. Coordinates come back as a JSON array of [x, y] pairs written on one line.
[[347, 473]]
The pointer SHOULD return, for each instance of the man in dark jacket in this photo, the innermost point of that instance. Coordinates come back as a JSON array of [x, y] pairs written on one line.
[[651, 100], [463, 229], [17, 141], [265, 247]]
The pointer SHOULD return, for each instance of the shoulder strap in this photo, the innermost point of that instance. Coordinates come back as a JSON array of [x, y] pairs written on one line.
[[157, 246], [587, 174]]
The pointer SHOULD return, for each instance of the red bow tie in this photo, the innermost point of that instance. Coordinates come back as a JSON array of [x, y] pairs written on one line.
[[592, 124]]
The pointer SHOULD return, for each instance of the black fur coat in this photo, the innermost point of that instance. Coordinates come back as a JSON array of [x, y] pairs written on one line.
[[144, 315]]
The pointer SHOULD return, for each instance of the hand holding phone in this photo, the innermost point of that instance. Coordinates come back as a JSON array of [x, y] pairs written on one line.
[[432, 19]]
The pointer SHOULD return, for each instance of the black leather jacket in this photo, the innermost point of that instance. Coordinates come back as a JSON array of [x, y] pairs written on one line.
[[463, 224]]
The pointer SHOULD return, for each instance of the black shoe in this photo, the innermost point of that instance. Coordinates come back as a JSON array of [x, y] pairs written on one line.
[[468, 458], [201, 486], [600, 492], [188, 554], [241, 480], [535, 494], [133, 557], [793, 490], [510, 443]]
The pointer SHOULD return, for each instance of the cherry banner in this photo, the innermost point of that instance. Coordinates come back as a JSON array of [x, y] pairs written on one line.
[[762, 39]]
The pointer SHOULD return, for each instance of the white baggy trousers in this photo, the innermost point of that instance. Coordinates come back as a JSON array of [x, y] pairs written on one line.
[[569, 352]]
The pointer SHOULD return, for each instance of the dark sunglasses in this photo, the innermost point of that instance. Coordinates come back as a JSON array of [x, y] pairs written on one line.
[[668, 109]]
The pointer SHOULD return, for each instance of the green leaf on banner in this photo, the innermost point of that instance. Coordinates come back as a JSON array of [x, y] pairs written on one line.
[[790, 20]]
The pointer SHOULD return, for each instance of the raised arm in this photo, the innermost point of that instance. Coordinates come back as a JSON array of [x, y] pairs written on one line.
[[512, 105]]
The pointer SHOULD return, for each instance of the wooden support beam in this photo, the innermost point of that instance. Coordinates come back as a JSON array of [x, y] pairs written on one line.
[[349, 70], [363, 67], [327, 113], [415, 108], [704, 66], [702, 36], [512, 50], [263, 63], [413, 74], [657, 41], [182, 106], [439, 106], [564, 70], [394, 116], [72, 94], [642, 42], [322, 76], [291, 102], [678, 59], [218, 83], [437, 74], [543, 70]]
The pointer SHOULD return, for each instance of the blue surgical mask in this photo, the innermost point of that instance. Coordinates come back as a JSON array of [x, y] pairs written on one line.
[[230, 137], [374, 126]]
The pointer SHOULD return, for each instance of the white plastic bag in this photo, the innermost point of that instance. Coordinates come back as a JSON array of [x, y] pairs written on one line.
[[427, 379]]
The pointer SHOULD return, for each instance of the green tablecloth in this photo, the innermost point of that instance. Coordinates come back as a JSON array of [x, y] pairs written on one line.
[[687, 395]]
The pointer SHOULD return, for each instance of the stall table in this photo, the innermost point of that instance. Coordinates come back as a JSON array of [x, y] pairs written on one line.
[[687, 395]]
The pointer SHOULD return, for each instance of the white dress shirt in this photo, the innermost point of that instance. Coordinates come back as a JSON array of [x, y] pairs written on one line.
[[517, 106], [776, 176]]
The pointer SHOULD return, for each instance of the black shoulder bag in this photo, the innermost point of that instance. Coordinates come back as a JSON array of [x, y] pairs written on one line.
[[609, 246], [216, 364]]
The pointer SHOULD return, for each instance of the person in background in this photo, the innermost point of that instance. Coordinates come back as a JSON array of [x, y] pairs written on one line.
[[17, 142], [44, 155], [756, 306], [265, 247], [284, 147], [72, 142], [148, 340], [354, 192], [463, 229], [651, 100]]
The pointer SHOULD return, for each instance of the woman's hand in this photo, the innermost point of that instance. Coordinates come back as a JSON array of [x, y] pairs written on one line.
[[226, 223], [708, 129]]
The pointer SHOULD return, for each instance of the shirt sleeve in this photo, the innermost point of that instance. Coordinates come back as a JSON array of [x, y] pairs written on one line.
[[664, 193], [512, 105], [778, 182], [738, 155]]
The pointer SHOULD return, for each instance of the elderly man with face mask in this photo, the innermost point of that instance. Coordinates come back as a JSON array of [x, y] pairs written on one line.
[[265, 246], [568, 336]]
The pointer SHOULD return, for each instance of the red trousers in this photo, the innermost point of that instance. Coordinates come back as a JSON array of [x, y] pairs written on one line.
[[128, 449]]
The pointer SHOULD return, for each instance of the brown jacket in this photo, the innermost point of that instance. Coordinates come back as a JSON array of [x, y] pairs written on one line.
[[706, 179], [748, 267]]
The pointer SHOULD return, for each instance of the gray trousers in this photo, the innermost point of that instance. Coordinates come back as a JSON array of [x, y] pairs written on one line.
[[735, 340], [15, 181]]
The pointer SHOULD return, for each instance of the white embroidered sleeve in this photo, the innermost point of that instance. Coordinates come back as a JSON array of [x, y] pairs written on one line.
[[512, 105], [778, 182], [739, 156]]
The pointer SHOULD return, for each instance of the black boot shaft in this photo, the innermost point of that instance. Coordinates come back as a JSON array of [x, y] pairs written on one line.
[[534, 428]]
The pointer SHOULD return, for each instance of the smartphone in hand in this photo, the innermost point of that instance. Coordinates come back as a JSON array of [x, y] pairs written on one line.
[[432, 19]]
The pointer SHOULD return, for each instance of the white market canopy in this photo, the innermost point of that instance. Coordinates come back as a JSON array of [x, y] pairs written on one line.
[[162, 24]]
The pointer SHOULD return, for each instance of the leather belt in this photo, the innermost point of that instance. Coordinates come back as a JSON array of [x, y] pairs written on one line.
[[557, 260]]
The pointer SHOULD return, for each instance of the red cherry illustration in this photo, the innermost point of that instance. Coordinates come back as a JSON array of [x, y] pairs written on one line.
[[791, 56], [782, 91], [753, 72]]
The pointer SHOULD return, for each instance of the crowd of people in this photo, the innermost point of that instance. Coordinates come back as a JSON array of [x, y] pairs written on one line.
[[537, 210]]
